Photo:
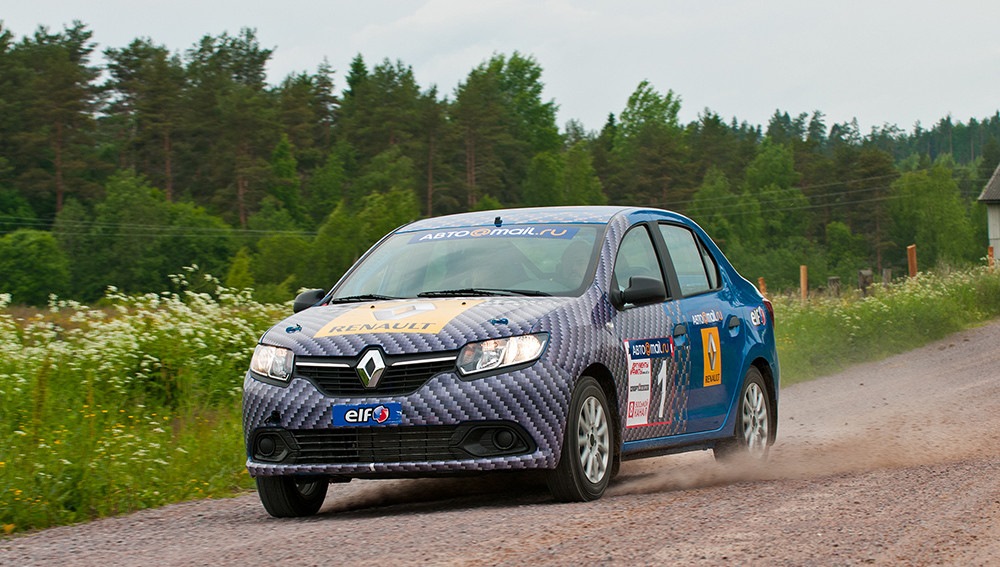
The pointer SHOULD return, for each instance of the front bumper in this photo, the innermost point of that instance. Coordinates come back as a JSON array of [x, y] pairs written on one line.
[[507, 421]]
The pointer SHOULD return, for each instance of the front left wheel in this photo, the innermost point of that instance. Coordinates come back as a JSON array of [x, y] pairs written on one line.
[[587, 460], [291, 497]]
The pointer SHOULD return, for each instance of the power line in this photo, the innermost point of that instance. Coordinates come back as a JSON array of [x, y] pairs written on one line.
[[685, 203], [70, 227]]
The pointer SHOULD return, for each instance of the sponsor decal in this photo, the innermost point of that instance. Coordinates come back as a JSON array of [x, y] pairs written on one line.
[[639, 384], [640, 355], [368, 415], [398, 317], [532, 231], [707, 317], [713, 356], [758, 316]]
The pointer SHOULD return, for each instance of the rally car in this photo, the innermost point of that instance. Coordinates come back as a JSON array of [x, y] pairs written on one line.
[[560, 339]]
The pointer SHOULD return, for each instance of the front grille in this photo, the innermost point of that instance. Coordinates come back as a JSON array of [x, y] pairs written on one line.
[[338, 377], [389, 445]]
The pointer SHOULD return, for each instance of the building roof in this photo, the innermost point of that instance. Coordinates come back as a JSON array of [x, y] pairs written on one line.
[[991, 193]]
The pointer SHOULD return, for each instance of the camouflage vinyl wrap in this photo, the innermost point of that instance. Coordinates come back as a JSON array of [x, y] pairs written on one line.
[[583, 331]]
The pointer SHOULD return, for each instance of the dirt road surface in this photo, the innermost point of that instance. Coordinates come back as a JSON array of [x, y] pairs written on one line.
[[895, 462]]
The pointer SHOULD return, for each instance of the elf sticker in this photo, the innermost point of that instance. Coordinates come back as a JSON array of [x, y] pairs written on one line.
[[713, 356]]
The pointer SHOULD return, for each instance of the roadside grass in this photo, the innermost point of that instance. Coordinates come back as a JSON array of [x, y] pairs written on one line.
[[128, 405], [135, 403], [829, 334]]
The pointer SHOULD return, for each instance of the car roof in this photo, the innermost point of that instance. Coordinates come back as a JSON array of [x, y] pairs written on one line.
[[534, 215]]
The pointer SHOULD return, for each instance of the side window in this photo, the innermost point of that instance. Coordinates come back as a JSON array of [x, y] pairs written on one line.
[[636, 257], [695, 267], [711, 268]]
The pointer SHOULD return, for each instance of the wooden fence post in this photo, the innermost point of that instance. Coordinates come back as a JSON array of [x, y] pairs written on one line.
[[762, 286], [911, 259], [990, 258], [804, 282]]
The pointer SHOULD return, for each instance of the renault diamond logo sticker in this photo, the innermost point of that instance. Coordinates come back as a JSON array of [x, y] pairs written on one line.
[[371, 368], [713, 356]]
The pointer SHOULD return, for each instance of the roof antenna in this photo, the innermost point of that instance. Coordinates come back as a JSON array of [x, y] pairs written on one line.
[[497, 221]]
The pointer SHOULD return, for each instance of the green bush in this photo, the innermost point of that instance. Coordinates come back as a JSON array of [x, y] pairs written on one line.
[[33, 266]]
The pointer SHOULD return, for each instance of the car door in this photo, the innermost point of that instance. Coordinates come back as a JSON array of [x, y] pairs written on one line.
[[653, 401], [714, 329]]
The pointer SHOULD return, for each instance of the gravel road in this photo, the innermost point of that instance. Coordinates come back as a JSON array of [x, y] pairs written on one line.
[[895, 462]]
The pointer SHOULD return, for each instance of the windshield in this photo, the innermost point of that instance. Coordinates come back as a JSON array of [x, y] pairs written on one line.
[[537, 259]]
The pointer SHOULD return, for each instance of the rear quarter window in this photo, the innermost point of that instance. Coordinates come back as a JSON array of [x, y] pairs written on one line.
[[696, 270]]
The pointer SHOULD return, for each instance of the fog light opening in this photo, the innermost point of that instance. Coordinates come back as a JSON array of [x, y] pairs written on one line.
[[271, 446], [504, 439], [266, 446]]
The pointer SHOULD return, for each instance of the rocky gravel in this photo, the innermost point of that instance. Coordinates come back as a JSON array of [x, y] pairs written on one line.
[[894, 462]]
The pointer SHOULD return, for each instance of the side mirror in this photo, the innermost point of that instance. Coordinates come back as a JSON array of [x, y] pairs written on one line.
[[642, 290], [307, 299]]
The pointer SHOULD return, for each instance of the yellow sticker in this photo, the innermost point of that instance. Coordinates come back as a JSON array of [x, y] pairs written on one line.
[[398, 317], [713, 356]]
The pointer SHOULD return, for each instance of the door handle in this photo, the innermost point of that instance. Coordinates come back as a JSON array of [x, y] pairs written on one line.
[[680, 329]]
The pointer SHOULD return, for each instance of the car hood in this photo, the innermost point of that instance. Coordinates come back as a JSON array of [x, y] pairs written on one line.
[[409, 325]]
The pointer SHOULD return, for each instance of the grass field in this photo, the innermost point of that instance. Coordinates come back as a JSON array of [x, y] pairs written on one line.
[[828, 334], [135, 402], [127, 405]]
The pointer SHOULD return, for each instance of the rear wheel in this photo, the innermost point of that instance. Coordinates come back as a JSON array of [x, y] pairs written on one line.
[[291, 497], [587, 459], [752, 437]]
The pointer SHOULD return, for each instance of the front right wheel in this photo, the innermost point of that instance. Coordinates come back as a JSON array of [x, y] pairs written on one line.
[[752, 437], [291, 497], [587, 459]]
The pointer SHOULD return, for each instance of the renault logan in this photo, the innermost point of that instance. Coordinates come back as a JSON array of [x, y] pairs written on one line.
[[560, 339]]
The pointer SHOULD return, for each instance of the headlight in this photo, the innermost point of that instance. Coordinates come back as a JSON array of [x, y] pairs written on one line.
[[274, 362], [498, 353]]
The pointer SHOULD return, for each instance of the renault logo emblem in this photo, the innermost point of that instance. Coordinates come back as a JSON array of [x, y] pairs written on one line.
[[713, 352], [370, 368]]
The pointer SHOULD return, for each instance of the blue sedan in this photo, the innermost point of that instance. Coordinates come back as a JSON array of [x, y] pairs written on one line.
[[560, 339]]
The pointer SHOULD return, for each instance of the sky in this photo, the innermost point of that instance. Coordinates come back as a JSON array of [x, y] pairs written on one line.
[[881, 62]]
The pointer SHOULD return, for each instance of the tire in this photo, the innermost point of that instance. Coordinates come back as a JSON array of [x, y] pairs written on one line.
[[586, 462], [753, 433], [291, 497]]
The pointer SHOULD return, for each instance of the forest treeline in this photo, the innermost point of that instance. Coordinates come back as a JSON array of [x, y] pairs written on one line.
[[121, 173]]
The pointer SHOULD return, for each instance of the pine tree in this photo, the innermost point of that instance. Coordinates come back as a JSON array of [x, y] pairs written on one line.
[[58, 99]]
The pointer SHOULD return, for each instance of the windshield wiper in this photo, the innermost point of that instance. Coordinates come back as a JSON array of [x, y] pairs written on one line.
[[359, 298], [485, 291]]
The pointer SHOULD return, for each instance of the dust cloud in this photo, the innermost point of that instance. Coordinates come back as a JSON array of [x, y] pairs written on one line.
[[803, 458]]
